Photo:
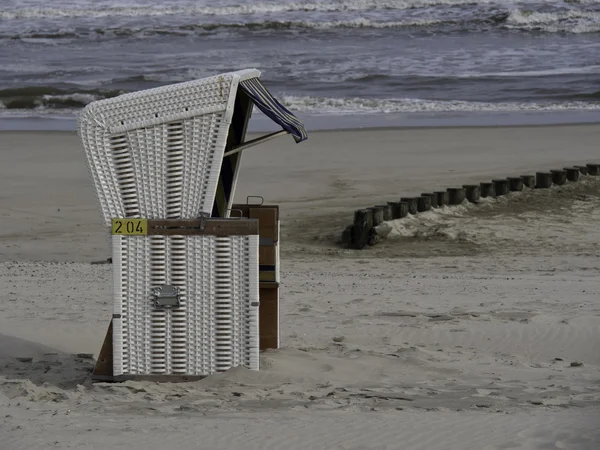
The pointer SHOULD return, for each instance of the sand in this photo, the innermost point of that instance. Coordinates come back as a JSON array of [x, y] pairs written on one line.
[[472, 327]]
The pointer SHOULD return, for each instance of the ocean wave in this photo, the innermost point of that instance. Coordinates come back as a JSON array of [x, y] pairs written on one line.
[[563, 22], [405, 105], [50, 97], [70, 104], [433, 78], [242, 9], [554, 22], [188, 29], [588, 96], [593, 69]]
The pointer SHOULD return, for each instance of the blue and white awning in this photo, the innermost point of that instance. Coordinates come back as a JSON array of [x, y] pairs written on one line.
[[273, 109]]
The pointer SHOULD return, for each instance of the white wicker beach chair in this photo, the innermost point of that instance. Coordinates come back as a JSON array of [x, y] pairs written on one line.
[[173, 153], [143, 148]]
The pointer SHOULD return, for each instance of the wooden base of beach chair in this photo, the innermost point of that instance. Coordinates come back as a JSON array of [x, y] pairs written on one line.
[[104, 364], [268, 266], [268, 315]]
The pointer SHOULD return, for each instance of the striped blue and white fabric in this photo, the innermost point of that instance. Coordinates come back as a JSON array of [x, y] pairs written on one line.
[[273, 109]]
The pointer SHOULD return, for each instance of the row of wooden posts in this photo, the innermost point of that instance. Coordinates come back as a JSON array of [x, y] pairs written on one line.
[[362, 232]]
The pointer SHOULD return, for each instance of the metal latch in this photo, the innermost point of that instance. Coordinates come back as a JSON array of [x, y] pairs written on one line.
[[166, 296], [203, 216]]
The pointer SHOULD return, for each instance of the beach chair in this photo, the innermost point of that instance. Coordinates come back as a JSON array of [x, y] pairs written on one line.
[[164, 163]]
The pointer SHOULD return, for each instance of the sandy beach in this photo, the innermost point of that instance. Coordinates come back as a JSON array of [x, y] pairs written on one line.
[[471, 327]]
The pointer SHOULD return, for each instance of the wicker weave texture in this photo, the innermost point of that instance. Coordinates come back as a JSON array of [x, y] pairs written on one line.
[[157, 153], [216, 326]]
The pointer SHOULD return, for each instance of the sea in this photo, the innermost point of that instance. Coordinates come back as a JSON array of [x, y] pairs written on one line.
[[336, 63]]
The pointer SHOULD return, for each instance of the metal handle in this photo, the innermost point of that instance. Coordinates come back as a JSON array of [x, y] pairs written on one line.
[[262, 200], [203, 216], [238, 210]]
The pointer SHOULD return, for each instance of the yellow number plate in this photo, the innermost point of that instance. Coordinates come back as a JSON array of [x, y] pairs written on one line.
[[130, 227]]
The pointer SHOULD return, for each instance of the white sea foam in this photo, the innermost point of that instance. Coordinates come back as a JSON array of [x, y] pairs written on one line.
[[80, 98], [260, 17], [555, 22], [354, 106], [366, 23], [241, 9], [529, 73], [368, 106], [49, 37], [40, 111], [252, 8]]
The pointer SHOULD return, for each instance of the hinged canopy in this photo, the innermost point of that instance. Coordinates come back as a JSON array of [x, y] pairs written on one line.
[[278, 113]]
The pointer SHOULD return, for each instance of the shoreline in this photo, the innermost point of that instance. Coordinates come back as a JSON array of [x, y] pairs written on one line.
[[374, 121], [367, 129]]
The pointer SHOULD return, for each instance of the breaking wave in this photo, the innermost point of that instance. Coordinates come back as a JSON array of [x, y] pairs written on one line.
[[190, 29], [554, 22], [50, 97], [243, 9], [517, 20], [378, 106]]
